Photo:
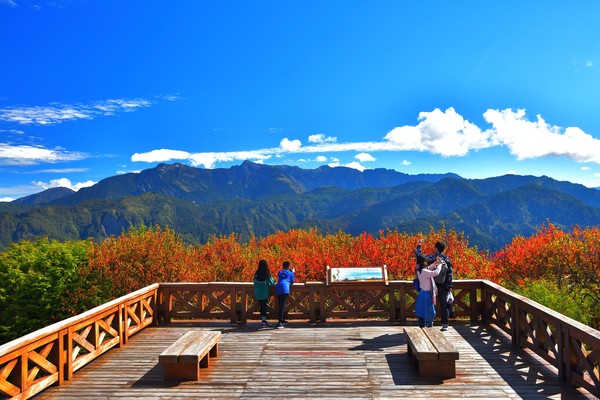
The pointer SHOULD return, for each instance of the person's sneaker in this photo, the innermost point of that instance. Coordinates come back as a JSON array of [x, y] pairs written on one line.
[[265, 324], [285, 323], [445, 328], [280, 326]]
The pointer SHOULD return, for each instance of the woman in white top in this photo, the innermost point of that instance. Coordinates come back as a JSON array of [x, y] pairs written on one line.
[[425, 305]]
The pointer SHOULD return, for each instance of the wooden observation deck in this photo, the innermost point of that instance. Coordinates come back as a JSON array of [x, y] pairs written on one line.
[[343, 341]]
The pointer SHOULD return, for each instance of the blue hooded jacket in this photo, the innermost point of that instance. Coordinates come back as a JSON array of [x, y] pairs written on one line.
[[285, 278]]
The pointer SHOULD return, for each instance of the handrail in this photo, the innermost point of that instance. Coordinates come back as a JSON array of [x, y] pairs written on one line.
[[570, 346], [51, 355]]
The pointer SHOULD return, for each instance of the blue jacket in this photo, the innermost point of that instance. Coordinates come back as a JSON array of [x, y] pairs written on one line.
[[285, 278]]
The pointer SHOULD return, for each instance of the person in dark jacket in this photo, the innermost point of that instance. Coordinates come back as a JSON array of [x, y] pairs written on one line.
[[444, 287], [262, 281], [285, 279]]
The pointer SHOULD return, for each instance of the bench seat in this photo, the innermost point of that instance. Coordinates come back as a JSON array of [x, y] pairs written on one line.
[[184, 358], [434, 355]]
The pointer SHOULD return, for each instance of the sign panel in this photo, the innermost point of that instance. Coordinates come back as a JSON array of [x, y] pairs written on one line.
[[356, 274]]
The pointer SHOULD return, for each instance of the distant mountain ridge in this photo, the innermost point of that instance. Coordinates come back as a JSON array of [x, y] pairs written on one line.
[[248, 180], [255, 199]]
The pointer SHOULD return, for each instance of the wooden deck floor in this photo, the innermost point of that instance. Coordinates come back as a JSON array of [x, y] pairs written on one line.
[[336, 360]]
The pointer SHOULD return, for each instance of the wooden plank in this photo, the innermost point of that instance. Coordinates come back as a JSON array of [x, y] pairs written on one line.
[[446, 350], [200, 347], [421, 346], [335, 360], [171, 354]]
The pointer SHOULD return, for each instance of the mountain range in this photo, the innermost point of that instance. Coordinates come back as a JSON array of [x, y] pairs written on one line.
[[257, 199]]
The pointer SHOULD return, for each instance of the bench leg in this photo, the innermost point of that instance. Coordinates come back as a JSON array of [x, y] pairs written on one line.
[[205, 361], [437, 368], [214, 352], [447, 369], [181, 372]]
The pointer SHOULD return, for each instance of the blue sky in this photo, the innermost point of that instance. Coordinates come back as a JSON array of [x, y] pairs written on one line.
[[92, 89]]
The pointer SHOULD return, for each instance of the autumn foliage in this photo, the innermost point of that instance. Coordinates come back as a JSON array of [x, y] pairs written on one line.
[[553, 267]]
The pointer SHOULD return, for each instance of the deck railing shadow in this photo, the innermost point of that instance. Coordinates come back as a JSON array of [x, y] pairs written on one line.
[[52, 355], [504, 356]]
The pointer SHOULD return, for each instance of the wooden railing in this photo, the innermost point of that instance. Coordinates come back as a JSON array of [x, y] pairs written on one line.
[[313, 301], [53, 354], [573, 348]]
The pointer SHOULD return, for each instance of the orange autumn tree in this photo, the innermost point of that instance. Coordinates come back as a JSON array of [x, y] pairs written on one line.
[[568, 261], [140, 257], [143, 256], [310, 252]]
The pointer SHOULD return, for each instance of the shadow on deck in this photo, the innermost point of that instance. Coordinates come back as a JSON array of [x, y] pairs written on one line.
[[333, 360]]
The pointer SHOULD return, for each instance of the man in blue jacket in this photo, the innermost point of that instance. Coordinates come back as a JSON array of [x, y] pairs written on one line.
[[285, 279]]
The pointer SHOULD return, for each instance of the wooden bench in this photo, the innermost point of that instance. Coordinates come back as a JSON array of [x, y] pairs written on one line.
[[434, 355], [184, 358]]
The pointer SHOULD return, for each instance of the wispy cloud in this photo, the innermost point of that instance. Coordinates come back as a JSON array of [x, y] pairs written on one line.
[[31, 155], [56, 113], [9, 3], [12, 131], [60, 170], [445, 133]]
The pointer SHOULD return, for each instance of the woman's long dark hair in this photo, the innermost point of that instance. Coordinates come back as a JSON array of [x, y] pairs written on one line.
[[262, 272], [420, 263]]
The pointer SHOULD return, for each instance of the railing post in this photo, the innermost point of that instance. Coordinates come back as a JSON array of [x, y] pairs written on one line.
[[475, 305], [485, 305], [61, 357], [392, 302], [516, 322], [312, 304], [563, 347], [70, 368], [403, 312], [155, 308], [322, 302], [244, 305], [233, 306]]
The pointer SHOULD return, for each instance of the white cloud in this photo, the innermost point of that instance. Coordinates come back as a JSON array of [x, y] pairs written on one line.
[[364, 157], [6, 199], [56, 113], [63, 182], [321, 138], [290, 145], [31, 155], [440, 132], [355, 165], [406, 162], [533, 139], [585, 168], [589, 63], [161, 155], [445, 133], [208, 160]]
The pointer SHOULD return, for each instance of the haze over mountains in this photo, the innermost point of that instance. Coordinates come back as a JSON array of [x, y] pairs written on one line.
[[257, 199]]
